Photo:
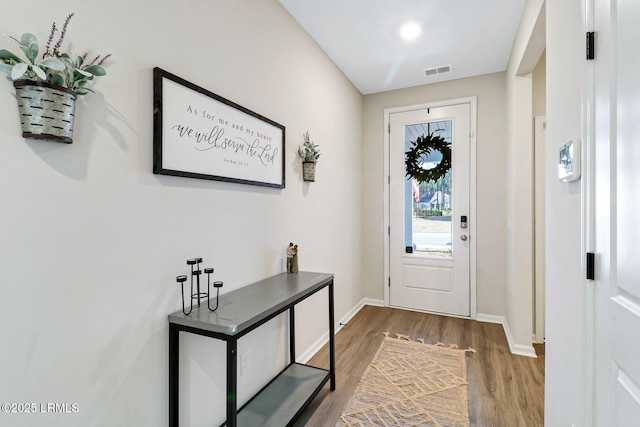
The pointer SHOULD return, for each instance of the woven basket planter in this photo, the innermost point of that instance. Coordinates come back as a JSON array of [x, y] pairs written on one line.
[[46, 110], [309, 171]]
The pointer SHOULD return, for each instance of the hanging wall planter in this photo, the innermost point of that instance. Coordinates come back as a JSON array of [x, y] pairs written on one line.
[[47, 85], [46, 110], [309, 171], [309, 153]]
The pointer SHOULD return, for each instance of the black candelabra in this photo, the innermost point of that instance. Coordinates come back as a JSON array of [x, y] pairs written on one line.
[[197, 295]]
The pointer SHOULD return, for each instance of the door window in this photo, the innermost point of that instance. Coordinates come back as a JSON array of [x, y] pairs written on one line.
[[429, 204]]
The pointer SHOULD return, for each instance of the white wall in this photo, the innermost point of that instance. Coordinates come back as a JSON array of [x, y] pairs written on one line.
[[92, 240], [565, 288], [491, 177], [539, 82], [524, 56]]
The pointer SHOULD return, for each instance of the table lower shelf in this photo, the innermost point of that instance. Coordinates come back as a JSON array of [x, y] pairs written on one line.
[[284, 397]]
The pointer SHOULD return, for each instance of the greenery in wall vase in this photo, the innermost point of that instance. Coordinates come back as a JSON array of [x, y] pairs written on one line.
[[310, 153], [47, 85], [55, 67]]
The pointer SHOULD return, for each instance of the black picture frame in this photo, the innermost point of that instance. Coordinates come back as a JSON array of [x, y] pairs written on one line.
[[199, 134]]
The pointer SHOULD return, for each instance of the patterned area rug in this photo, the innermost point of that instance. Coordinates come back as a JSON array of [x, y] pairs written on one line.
[[411, 384]]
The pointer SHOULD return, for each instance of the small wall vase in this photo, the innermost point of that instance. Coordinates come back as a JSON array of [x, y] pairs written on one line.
[[309, 171], [46, 111]]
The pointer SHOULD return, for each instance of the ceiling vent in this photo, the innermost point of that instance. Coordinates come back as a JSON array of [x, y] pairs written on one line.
[[428, 72]]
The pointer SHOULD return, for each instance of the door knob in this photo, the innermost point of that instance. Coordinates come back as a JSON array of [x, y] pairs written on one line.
[[464, 237]]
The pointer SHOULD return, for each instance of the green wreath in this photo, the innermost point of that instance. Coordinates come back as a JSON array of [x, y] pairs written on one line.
[[425, 145]]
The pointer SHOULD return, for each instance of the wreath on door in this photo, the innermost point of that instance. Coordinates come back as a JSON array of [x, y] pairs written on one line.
[[423, 146]]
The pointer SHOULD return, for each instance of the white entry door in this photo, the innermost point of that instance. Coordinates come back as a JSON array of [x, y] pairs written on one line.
[[430, 231], [617, 211]]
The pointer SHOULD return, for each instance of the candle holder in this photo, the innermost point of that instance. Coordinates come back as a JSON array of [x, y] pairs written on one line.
[[197, 295]]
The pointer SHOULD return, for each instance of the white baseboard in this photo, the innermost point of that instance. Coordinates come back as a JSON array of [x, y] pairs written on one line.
[[517, 349], [490, 318], [314, 348], [324, 338], [373, 302]]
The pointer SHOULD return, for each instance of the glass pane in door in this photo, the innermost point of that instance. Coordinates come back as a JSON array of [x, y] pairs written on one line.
[[428, 205]]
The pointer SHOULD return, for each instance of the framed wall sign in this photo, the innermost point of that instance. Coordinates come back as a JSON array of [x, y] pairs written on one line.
[[198, 134], [569, 161]]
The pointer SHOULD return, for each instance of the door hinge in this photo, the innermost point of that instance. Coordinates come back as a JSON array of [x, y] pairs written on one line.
[[591, 46], [388, 179], [389, 231], [389, 128], [591, 266], [389, 281]]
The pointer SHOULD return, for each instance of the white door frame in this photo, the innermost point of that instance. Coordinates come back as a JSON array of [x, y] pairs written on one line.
[[473, 101], [540, 123], [588, 211]]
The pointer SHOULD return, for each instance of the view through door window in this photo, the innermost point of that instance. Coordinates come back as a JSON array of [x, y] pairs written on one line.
[[428, 205]]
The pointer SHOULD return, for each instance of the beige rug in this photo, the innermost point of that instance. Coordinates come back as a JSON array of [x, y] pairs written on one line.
[[411, 384]]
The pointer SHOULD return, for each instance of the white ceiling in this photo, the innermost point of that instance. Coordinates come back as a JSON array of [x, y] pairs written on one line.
[[361, 37]]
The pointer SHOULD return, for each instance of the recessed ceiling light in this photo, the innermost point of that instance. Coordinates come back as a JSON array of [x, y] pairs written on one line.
[[410, 31]]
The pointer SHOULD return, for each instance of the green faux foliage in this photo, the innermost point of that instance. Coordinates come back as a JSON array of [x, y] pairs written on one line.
[[54, 67], [309, 151], [422, 147]]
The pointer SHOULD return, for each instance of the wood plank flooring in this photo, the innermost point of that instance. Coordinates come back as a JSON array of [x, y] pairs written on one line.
[[504, 390]]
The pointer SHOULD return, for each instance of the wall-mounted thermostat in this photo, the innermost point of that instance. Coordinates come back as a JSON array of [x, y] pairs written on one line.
[[569, 161]]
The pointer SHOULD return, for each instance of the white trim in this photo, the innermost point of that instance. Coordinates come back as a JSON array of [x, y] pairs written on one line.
[[588, 188], [520, 350], [324, 338], [539, 162], [386, 220], [372, 302], [315, 347], [473, 141], [517, 349], [473, 129], [490, 318]]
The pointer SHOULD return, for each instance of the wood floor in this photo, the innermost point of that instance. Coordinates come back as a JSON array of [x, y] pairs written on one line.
[[504, 390]]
